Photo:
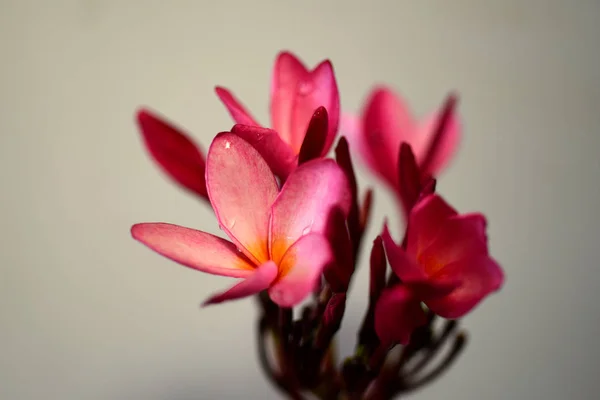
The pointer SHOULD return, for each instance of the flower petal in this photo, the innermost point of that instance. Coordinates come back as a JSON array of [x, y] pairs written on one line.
[[287, 72], [300, 268], [425, 221], [441, 149], [387, 122], [397, 314], [403, 265], [241, 188], [267, 142], [459, 237], [260, 280], [237, 111], [318, 88], [194, 249], [174, 151], [308, 196], [480, 275], [315, 137]]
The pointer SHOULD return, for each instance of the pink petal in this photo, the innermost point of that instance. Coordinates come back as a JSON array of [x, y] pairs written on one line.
[[267, 142], [174, 151], [194, 249], [397, 314], [306, 200], [387, 122], [480, 275], [300, 268], [339, 273], [241, 188], [287, 72], [317, 89], [260, 280], [425, 221], [445, 147], [459, 237], [237, 111], [403, 265]]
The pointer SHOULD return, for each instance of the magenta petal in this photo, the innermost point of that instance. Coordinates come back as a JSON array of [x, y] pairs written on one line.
[[397, 314], [306, 200], [174, 151], [267, 142], [237, 111], [459, 237], [260, 280], [287, 72], [318, 88], [194, 249], [425, 221], [313, 145], [403, 265], [480, 275], [300, 268], [435, 153], [241, 188], [387, 122]]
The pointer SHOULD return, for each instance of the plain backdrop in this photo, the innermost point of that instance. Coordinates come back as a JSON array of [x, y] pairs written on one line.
[[87, 313]]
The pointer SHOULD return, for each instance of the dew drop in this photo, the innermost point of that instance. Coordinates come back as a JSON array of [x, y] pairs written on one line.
[[231, 223], [306, 230], [305, 88], [227, 144]]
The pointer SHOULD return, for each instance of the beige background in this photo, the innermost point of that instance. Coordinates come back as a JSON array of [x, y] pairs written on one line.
[[87, 313]]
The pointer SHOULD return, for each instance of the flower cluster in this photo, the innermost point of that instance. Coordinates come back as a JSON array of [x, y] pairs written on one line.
[[296, 224]]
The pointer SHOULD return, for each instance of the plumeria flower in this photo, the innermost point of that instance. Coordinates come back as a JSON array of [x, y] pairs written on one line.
[[277, 236], [386, 122], [296, 93], [174, 152], [445, 265]]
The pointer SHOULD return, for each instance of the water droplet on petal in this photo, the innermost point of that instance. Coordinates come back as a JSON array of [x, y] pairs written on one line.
[[306, 230], [231, 224], [305, 87], [227, 144]]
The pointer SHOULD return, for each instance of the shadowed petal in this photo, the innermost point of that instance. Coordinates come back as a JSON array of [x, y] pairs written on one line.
[[311, 192], [174, 151], [287, 72], [313, 144], [241, 188], [300, 268], [425, 221], [459, 237], [403, 265], [397, 314], [480, 275], [260, 280], [237, 111], [267, 142], [194, 249]]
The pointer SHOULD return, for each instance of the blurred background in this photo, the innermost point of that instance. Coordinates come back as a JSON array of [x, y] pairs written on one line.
[[88, 313]]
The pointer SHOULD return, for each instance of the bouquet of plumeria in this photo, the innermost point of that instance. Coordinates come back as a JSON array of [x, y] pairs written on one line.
[[296, 222]]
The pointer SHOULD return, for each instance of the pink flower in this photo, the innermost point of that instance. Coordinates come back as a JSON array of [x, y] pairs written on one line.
[[175, 152], [386, 122], [445, 265], [277, 237], [296, 93]]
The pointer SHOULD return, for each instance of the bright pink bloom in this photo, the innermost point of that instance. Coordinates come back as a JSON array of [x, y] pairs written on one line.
[[278, 236], [385, 123], [174, 151], [296, 93], [445, 265]]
